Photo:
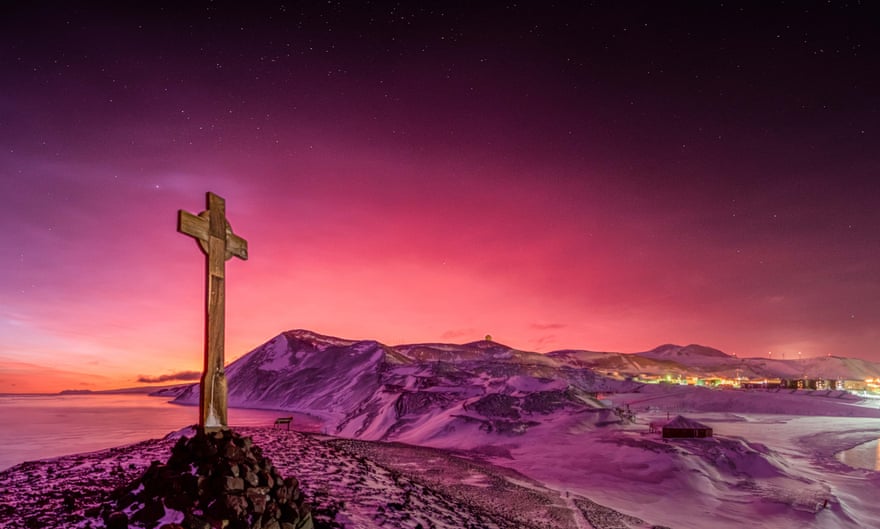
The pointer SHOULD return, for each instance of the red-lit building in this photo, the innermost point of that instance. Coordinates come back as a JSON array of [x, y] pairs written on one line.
[[682, 427]]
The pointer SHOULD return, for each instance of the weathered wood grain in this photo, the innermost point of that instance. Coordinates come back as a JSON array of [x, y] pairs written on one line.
[[216, 239]]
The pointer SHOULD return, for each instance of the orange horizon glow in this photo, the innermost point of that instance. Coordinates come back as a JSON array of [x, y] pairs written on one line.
[[431, 182]]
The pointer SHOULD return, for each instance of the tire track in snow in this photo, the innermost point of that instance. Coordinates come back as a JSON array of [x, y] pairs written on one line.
[[579, 519]]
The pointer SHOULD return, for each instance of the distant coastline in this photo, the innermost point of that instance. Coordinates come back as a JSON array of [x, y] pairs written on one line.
[[162, 391]]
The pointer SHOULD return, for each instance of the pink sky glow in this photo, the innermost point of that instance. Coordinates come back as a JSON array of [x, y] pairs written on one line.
[[485, 184]]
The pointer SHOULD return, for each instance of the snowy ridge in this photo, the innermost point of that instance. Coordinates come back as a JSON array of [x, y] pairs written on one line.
[[541, 415], [705, 361], [300, 370], [367, 390], [479, 350], [693, 355]]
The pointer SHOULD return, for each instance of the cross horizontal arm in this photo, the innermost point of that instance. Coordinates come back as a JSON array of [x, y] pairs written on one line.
[[198, 226], [192, 225], [236, 246]]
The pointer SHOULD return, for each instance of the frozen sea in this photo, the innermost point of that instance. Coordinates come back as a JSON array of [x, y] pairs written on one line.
[[865, 455], [43, 426]]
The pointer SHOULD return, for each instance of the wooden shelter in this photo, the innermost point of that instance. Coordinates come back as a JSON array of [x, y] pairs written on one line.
[[682, 427]]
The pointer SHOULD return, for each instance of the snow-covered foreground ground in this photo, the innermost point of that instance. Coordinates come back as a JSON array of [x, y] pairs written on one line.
[[350, 483], [774, 470], [760, 470]]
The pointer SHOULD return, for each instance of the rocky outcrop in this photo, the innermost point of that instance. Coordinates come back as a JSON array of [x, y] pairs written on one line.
[[218, 479]]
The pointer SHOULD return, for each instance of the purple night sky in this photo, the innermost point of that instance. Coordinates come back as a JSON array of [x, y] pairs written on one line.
[[609, 177]]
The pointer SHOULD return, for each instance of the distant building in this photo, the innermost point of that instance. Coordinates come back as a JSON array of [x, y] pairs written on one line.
[[855, 385], [819, 383], [682, 427], [762, 383]]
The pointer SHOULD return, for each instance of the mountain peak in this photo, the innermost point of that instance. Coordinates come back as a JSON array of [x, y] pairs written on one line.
[[313, 338], [487, 344], [677, 351]]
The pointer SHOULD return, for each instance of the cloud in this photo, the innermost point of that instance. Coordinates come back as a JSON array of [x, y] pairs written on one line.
[[547, 326], [461, 333], [180, 375]]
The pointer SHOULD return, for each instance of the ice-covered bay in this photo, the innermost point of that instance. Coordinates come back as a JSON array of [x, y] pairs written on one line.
[[865, 455], [43, 426]]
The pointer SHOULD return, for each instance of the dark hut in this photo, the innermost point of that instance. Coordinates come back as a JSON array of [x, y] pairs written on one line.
[[682, 427]]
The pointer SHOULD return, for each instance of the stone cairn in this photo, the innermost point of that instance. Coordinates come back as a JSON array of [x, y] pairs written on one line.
[[212, 480]]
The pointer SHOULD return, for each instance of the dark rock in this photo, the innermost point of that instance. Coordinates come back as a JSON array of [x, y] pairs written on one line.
[[117, 520], [273, 511], [232, 452], [235, 506], [180, 501], [219, 479], [125, 500], [193, 522], [289, 512], [233, 484], [69, 500], [497, 405], [151, 512]]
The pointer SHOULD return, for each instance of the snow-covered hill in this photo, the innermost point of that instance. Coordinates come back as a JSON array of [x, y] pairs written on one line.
[[700, 360], [367, 390], [419, 392], [542, 415], [304, 370], [692, 355]]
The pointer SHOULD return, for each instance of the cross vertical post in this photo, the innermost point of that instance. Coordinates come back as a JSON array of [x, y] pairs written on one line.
[[214, 235]]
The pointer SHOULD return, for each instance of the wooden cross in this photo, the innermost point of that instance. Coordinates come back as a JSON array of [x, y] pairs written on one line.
[[215, 237]]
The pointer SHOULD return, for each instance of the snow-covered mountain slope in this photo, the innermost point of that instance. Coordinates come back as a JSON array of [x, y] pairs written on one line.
[[302, 370], [483, 350], [617, 363], [692, 355], [665, 359], [817, 367], [367, 390], [700, 360]]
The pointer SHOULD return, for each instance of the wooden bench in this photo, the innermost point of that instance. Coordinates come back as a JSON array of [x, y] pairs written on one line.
[[283, 420]]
